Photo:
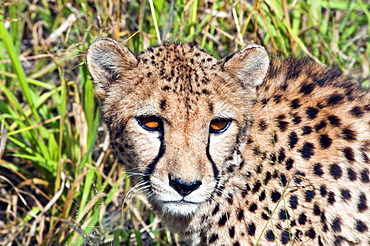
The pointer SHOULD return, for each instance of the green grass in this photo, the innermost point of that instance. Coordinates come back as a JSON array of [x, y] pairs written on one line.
[[59, 182]]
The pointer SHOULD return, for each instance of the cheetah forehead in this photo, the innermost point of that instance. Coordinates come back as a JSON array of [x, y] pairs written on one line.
[[178, 68], [172, 54]]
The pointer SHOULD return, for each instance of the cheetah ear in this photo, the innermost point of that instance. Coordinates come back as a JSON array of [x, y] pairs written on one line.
[[106, 60], [249, 65]]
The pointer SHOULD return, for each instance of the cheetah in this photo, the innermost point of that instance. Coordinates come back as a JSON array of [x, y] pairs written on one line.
[[247, 150]]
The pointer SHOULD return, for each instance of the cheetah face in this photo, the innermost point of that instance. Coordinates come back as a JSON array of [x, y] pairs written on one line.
[[170, 117]]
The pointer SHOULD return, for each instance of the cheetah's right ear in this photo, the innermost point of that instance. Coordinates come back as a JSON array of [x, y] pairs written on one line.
[[106, 60], [249, 65]]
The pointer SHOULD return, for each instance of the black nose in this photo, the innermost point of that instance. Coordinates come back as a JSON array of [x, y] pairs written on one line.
[[184, 188]]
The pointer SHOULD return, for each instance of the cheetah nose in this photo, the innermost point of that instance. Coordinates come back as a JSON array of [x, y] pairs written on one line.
[[184, 188]]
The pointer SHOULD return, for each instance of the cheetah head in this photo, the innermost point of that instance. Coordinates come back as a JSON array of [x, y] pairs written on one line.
[[177, 117]]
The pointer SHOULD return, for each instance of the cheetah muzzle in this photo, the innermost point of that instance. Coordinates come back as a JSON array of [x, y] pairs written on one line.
[[245, 150]]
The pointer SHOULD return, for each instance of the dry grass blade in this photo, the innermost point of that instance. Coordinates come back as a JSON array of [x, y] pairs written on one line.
[[3, 138]]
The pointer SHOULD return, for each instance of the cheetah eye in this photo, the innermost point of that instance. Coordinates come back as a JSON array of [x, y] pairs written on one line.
[[219, 125], [150, 123]]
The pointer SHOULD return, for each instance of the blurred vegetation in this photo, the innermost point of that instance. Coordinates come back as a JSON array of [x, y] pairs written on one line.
[[59, 182]]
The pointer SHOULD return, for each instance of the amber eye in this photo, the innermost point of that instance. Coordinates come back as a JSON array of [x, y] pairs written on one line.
[[150, 123], [219, 125]]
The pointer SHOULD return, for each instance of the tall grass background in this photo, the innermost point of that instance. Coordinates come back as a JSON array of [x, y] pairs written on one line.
[[60, 184]]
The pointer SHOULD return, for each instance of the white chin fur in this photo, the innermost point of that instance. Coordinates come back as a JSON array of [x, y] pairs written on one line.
[[179, 208]]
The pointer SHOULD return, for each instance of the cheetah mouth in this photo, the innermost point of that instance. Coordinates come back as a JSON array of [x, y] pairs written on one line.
[[181, 202]]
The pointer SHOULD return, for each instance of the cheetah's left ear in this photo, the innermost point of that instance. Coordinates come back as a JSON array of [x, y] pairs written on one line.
[[249, 65], [106, 60]]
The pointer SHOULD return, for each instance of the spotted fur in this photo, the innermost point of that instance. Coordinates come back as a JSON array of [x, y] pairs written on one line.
[[291, 167]]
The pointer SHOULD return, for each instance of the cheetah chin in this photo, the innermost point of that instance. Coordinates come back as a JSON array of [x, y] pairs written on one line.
[[178, 208], [246, 150]]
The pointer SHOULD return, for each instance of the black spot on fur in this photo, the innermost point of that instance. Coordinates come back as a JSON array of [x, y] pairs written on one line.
[[365, 157], [281, 156], [352, 175], [346, 194], [336, 225], [321, 82], [307, 88], [251, 229], [231, 168], [311, 112], [361, 226], [311, 233], [317, 169], [334, 99], [277, 98], [213, 238], [334, 120], [264, 101], [357, 112], [253, 207], [365, 176], [298, 177], [323, 218], [320, 125], [284, 215], [316, 210], [205, 92], [285, 237], [293, 201], [259, 168], [331, 198], [289, 163], [309, 195], [256, 187], [240, 215], [348, 153], [216, 209], [284, 86], [262, 196], [223, 219], [320, 105], [296, 119], [163, 104], [265, 216], [262, 125], [325, 141], [166, 88], [293, 223], [307, 150], [323, 191], [306, 130], [232, 231], [335, 171], [275, 196], [210, 107], [302, 219], [293, 139], [267, 178], [362, 203], [282, 125], [270, 236], [298, 234], [349, 134], [295, 103]]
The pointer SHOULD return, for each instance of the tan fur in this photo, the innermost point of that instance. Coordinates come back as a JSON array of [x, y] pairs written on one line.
[[292, 168]]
